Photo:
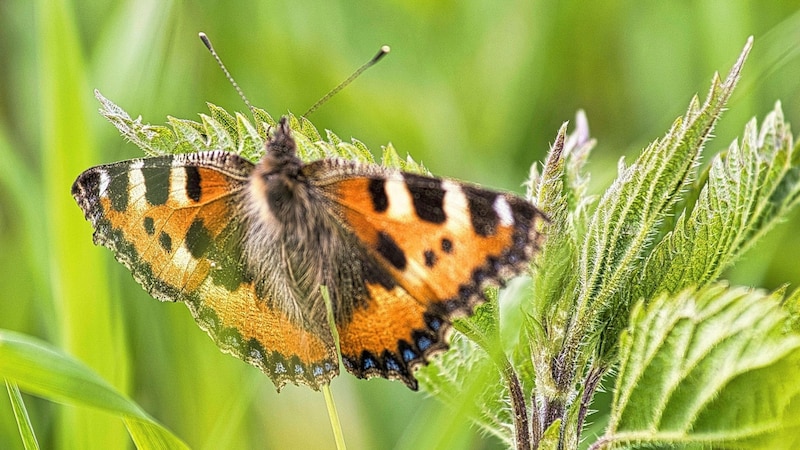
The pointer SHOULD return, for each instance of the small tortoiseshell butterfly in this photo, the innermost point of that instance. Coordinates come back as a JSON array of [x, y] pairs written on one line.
[[248, 246]]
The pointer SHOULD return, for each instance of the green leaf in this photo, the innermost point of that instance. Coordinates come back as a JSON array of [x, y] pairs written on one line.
[[410, 165], [189, 136], [708, 368], [746, 190], [43, 370], [264, 121], [305, 127], [251, 143], [390, 158], [224, 120], [153, 140], [333, 138], [362, 152], [560, 191], [630, 212], [550, 437], [21, 415], [792, 306], [221, 130]]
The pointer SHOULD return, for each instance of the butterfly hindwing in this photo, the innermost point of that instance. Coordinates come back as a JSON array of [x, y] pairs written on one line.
[[174, 222], [390, 336]]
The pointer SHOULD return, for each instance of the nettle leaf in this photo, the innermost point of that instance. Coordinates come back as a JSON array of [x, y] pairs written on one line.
[[744, 192], [630, 215], [305, 127], [251, 144], [792, 306], [631, 211], [594, 267], [362, 151], [152, 139], [220, 134], [708, 368], [189, 136], [221, 130], [560, 190]]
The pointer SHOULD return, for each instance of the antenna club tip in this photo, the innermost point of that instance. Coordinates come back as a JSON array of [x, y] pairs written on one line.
[[385, 49], [205, 40]]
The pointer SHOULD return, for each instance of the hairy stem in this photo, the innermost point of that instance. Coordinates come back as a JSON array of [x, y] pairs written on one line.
[[590, 386], [523, 437], [536, 422]]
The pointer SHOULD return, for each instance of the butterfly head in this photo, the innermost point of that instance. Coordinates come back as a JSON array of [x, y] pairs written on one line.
[[282, 141], [277, 184]]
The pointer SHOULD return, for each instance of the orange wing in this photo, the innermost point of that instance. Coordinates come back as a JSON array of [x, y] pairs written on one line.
[[440, 244], [173, 222]]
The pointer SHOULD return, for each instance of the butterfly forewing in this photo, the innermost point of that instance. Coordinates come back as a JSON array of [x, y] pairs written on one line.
[[441, 240]]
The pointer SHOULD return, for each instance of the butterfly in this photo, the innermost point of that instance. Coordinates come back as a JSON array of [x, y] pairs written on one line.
[[248, 247]]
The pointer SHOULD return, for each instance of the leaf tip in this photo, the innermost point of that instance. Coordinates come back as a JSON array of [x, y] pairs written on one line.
[[736, 70]]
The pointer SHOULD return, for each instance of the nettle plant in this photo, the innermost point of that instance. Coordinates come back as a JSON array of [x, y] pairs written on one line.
[[629, 285], [626, 285]]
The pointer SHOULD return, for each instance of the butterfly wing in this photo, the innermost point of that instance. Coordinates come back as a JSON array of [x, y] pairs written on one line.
[[173, 222], [440, 244]]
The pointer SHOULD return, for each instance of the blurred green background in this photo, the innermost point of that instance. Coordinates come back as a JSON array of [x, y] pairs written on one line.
[[475, 89]]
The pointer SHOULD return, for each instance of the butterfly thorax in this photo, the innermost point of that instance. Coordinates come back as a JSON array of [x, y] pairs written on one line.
[[280, 191], [283, 210]]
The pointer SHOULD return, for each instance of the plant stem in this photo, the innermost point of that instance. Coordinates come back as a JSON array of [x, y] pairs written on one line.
[[519, 407], [592, 381], [333, 415], [536, 422]]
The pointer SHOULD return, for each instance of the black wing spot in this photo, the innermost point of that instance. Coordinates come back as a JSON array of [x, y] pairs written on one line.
[[377, 192], [388, 248], [430, 258], [447, 245], [118, 190], [149, 225], [376, 275], [194, 188], [481, 210], [427, 195], [156, 187], [198, 239], [166, 242]]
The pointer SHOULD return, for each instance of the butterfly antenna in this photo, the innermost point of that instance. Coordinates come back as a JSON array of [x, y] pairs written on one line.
[[384, 50], [210, 47]]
